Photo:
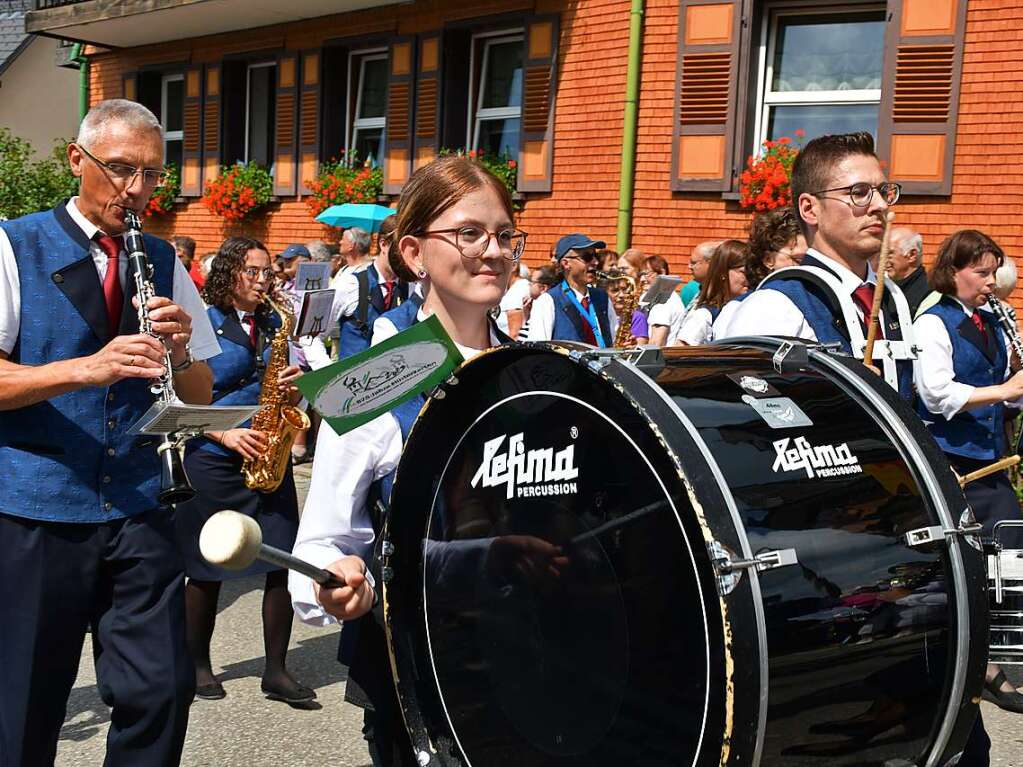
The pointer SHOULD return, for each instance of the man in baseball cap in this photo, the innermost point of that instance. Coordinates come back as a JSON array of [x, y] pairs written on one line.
[[292, 256], [573, 311]]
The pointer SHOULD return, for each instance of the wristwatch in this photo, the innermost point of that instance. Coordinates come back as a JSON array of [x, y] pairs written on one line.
[[187, 363]]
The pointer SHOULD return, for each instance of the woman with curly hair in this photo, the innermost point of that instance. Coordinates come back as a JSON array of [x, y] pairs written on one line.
[[726, 280], [238, 282]]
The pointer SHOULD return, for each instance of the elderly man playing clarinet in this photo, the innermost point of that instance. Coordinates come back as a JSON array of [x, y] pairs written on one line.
[[83, 541]]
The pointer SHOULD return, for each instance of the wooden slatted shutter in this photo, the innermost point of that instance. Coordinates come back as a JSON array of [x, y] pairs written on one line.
[[286, 124], [709, 35], [536, 137], [309, 121], [920, 93], [427, 118], [130, 86], [398, 151], [211, 123], [191, 164]]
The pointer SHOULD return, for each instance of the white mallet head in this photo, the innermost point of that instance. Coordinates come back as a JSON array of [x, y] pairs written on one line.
[[230, 540]]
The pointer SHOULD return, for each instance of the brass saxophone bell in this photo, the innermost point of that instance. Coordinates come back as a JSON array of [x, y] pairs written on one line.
[[174, 486]]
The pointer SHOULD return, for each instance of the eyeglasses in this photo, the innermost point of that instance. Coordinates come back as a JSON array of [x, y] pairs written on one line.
[[473, 241], [586, 256], [254, 272], [126, 173], [862, 193]]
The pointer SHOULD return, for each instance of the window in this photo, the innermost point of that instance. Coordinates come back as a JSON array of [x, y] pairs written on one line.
[[172, 117], [260, 105], [820, 72], [498, 109], [369, 110]]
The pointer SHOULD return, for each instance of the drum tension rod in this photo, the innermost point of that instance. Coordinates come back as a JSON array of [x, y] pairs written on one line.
[[730, 570]]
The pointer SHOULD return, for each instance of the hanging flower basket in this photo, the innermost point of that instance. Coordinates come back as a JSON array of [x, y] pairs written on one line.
[[765, 184], [162, 200], [502, 165], [238, 192], [342, 181]]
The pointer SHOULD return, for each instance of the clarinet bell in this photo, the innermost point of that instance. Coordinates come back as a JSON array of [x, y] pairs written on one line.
[[174, 486]]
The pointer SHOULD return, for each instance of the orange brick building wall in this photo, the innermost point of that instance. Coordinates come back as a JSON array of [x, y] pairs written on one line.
[[588, 129]]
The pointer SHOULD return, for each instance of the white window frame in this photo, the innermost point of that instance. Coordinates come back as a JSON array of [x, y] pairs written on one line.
[[170, 135], [353, 123], [483, 41], [765, 70], [248, 106]]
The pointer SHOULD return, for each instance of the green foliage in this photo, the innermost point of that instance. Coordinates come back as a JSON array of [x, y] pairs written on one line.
[[239, 191], [344, 180], [28, 185], [502, 165], [162, 199]]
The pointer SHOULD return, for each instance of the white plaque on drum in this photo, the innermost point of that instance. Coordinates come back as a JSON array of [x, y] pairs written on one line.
[[778, 412]]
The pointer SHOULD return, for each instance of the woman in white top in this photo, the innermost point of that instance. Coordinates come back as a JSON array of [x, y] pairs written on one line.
[[456, 236], [726, 280]]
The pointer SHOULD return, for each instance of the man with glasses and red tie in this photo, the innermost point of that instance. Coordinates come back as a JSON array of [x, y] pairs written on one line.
[[841, 198], [573, 311], [83, 540]]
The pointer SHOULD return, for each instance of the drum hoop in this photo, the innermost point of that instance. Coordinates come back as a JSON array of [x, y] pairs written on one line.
[[746, 549], [909, 444], [678, 518]]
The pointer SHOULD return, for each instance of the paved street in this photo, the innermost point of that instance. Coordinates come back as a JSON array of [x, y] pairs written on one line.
[[246, 730]]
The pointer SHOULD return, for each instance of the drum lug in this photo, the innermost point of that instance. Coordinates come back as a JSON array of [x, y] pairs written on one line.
[[791, 356], [922, 536], [729, 570]]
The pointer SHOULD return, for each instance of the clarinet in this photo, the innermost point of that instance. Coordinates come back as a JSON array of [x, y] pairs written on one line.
[[174, 486], [1008, 326]]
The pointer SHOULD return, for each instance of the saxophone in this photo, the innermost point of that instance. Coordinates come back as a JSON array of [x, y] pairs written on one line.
[[634, 289], [280, 421]]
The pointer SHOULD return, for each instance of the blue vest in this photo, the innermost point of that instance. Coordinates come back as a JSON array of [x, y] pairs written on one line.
[[237, 380], [70, 458], [977, 360], [357, 329], [569, 323], [820, 307]]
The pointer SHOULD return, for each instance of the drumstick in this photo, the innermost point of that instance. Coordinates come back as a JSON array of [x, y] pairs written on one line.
[[234, 541], [875, 309], [1005, 463]]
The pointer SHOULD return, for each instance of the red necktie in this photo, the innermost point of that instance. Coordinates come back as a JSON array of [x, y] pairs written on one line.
[[251, 320], [588, 335], [979, 321], [112, 294], [864, 298], [388, 293]]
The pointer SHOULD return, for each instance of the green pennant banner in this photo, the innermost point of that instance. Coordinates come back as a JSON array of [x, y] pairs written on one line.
[[358, 389]]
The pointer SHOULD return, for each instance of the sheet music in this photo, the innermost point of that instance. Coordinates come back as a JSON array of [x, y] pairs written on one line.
[[312, 275], [168, 419], [314, 316]]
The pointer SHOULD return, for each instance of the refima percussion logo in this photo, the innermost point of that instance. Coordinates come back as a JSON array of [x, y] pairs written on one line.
[[527, 473], [822, 461]]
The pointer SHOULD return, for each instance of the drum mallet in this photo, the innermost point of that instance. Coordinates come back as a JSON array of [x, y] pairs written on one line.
[[1005, 463], [234, 541], [875, 309]]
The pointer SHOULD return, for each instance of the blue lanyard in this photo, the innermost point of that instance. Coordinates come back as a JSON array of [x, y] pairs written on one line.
[[590, 315]]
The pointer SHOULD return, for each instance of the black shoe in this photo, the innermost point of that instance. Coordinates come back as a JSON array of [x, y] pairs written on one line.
[[296, 693], [212, 691], [1007, 700]]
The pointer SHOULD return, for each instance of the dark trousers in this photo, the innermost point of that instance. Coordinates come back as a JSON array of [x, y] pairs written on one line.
[[123, 579], [977, 752]]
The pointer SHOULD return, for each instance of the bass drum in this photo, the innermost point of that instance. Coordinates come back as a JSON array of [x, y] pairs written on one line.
[[690, 559]]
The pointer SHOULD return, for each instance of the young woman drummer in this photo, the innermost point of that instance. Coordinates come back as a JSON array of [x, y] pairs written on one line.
[[964, 379], [456, 236], [238, 281], [726, 280]]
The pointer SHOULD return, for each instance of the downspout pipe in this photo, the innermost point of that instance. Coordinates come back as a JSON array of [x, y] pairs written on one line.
[[82, 61], [623, 239]]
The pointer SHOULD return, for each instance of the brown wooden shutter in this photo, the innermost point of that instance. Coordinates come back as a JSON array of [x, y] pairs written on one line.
[[709, 36], [191, 164], [920, 93], [309, 121], [211, 123], [130, 86], [427, 118], [398, 151], [536, 136], [285, 127]]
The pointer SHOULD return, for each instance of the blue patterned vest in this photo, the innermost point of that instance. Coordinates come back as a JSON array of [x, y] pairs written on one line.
[[568, 322], [237, 380], [70, 458], [978, 360]]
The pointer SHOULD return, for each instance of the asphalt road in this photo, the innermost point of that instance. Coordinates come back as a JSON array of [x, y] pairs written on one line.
[[246, 730]]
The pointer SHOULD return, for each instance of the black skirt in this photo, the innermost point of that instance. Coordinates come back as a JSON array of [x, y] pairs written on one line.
[[219, 484]]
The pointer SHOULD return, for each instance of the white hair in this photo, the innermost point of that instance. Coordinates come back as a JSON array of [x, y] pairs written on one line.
[[360, 239], [1005, 278], [318, 251], [130, 113], [911, 241]]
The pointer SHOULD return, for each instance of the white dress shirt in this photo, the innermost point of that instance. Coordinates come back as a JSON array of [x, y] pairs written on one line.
[[541, 318], [335, 521], [697, 328], [725, 316], [203, 342], [933, 371], [670, 313]]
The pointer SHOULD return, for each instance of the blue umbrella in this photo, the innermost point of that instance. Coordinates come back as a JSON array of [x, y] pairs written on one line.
[[363, 215]]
